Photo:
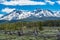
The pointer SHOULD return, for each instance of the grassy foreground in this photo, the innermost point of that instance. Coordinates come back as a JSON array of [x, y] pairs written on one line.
[[46, 31], [14, 37]]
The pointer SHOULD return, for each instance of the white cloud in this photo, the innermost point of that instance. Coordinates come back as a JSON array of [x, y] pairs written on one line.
[[8, 10], [58, 2], [50, 2], [22, 2]]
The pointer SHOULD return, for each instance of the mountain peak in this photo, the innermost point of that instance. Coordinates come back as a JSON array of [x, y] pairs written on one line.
[[23, 14]]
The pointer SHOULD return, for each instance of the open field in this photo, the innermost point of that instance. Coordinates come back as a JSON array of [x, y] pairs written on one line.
[[49, 33], [14, 37]]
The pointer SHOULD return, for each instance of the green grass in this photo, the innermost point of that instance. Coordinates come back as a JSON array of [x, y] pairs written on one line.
[[25, 37], [11, 37], [47, 30]]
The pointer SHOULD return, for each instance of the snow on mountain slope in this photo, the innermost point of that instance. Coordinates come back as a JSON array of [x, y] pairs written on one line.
[[42, 13], [11, 16], [48, 13], [57, 14], [21, 14], [25, 15], [16, 15]]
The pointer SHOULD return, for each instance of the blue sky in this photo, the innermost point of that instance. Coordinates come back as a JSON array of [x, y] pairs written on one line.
[[7, 6]]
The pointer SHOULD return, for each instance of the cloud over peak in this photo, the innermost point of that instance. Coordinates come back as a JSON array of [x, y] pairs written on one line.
[[7, 10]]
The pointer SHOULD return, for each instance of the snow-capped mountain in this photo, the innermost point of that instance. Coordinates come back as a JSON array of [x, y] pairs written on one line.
[[22, 14], [11, 15], [43, 13], [57, 14], [16, 15]]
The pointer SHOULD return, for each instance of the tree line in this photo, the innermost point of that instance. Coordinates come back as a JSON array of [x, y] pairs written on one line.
[[39, 24]]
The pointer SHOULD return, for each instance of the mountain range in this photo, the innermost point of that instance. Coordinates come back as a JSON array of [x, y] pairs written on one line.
[[35, 15]]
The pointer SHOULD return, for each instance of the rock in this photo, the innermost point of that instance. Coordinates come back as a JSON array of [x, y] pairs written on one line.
[[35, 32], [20, 33]]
